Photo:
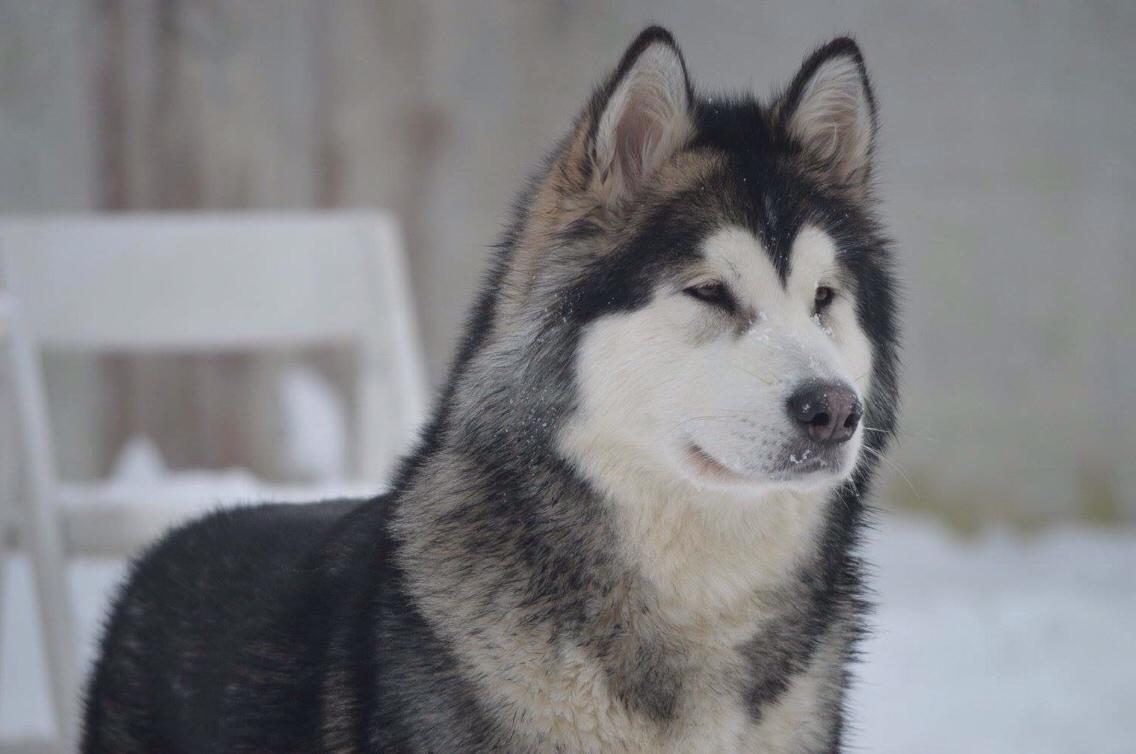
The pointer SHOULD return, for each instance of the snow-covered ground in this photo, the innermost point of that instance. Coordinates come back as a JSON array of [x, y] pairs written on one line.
[[1000, 643]]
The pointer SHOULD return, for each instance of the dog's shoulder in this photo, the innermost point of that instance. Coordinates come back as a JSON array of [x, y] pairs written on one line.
[[227, 543]]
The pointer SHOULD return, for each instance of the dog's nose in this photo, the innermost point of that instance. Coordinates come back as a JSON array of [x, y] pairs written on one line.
[[828, 412]]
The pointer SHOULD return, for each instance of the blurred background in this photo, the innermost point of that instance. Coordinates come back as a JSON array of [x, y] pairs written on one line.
[[1005, 167]]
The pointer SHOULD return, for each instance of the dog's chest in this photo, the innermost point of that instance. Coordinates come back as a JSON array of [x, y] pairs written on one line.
[[717, 613], [576, 710]]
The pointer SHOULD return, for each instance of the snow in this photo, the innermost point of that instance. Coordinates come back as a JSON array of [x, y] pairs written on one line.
[[1001, 643], [314, 433], [140, 460], [140, 473]]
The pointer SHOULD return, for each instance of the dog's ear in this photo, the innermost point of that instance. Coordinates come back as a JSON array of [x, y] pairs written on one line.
[[829, 112], [639, 118]]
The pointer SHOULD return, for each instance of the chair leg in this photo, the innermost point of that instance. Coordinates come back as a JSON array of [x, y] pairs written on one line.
[[57, 623], [5, 532], [41, 534], [7, 494]]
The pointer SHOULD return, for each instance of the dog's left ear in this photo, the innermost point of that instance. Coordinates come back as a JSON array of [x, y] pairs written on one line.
[[830, 113], [640, 118]]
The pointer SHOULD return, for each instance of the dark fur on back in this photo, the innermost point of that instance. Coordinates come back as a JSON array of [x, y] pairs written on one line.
[[360, 626]]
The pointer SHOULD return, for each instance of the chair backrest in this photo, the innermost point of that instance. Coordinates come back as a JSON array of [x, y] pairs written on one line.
[[146, 283]]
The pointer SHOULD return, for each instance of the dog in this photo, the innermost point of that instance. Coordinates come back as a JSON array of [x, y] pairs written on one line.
[[631, 523]]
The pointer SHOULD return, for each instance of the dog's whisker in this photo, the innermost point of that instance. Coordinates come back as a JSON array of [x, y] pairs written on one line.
[[894, 465], [900, 433]]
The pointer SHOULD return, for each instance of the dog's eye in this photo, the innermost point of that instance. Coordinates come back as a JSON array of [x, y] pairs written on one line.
[[711, 292], [824, 297]]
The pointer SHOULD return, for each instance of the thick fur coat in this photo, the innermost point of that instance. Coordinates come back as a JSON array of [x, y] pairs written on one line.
[[631, 523]]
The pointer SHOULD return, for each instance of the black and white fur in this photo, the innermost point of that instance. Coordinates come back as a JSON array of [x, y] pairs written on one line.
[[615, 534]]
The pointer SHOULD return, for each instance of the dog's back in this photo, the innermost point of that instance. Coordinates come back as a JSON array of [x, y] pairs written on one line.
[[217, 622]]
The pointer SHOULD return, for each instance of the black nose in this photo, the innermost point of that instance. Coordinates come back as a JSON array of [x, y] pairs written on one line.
[[828, 411]]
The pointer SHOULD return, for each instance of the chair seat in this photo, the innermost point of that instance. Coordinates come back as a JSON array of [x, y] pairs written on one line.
[[111, 518]]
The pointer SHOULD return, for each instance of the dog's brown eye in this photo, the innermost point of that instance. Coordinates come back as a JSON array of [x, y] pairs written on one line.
[[824, 297], [713, 293]]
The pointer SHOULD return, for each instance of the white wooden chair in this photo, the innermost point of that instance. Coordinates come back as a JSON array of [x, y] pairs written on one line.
[[185, 283]]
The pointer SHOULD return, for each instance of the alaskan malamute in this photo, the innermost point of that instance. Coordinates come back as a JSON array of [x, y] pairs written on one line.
[[631, 523]]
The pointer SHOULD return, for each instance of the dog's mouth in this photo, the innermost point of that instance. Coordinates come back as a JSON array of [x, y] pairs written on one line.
[[805, 461], [798, 464], [709, 467]]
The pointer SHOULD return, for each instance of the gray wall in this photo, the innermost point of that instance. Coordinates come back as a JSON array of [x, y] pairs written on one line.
[[1006, 169]]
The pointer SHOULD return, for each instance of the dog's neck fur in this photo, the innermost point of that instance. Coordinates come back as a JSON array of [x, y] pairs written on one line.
[[709, 557], [603, 601], [598, 601]]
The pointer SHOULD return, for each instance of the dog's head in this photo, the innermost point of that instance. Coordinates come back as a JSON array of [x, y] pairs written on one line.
[[713, 269]]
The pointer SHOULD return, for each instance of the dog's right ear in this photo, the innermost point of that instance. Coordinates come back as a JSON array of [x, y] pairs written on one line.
[[638, 119]]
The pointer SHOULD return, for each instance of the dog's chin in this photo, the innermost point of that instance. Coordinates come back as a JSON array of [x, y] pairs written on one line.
[[808, 467], [801, 470]]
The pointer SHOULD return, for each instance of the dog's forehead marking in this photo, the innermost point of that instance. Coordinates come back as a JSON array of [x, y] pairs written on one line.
[[740, 255], [812, 260]]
